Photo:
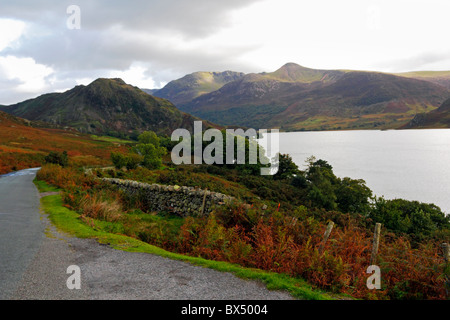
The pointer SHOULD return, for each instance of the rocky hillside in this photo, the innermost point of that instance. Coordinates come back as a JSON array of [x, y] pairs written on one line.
[[106, 106], [194, 85], [439, 118]]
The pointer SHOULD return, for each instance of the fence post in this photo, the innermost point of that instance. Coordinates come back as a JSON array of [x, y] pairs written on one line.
[[326, 236], [204, 203], [376, 243], [446, 253]]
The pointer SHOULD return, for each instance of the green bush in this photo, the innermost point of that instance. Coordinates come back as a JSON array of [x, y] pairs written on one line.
[[147, 153], [419, 220], [119, 160], [58, 158]]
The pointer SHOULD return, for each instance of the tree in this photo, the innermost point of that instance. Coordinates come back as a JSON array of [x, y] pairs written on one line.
[[119, 160], [133, 160], [286, 168], [149, 137], [147, 153], [417, 219], [322, 183], [353, 195], [58, 158], [246, 156], [332, 193], [149, 150]]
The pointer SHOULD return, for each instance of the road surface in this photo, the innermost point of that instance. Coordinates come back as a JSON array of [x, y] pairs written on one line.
[[21, 231], [35, 257]]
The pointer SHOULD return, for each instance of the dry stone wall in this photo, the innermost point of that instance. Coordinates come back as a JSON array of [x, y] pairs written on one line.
[[183, 201]]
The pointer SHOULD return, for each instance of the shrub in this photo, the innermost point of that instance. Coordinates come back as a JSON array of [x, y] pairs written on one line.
[[97, 208], [119, 160], [58, 158]]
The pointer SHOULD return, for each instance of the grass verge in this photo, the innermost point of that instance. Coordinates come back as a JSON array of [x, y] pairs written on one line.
[[68, 221]]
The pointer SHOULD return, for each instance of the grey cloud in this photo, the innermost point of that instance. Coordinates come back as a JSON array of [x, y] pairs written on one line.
[[85, 50], [190, 18], [7, 92], [113, 33]]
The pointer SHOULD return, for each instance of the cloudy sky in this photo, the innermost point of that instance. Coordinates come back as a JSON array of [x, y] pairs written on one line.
[[49, 45]]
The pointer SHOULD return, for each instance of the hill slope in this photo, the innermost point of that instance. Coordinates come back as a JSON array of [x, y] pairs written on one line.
[[297, 98], [439, 77], [194, 85], [106, 106], [24, 144], [439, 118]]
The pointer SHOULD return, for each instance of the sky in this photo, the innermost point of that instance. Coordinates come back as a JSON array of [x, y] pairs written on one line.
[[54, 45]]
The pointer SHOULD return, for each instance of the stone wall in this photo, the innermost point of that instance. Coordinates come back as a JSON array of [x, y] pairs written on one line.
[[183, 201]]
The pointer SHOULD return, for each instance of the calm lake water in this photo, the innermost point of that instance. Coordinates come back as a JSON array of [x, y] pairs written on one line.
[[407, 164]]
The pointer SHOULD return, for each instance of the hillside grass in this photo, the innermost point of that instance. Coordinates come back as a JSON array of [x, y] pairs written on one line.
[[23, 146], [111, 139]]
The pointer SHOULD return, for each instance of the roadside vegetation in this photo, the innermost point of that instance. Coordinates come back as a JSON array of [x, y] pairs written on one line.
[[281, 232]]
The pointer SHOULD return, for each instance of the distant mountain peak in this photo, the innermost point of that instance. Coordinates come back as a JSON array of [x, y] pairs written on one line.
[[196, 84], [294, 72], [292, 66], [99, 81]]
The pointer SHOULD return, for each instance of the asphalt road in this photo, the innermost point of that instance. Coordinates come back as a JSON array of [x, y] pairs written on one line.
[[34, 258], [21, 231]]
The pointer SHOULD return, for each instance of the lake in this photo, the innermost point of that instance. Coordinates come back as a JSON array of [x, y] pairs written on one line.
[[407, 164]]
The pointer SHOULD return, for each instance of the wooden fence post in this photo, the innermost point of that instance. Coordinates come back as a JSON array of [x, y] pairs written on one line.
[[204, 203], [376, 243], [446, 253], [326, 236]]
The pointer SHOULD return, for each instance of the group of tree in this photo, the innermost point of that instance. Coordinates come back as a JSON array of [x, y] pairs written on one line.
[[147, 153], [325, 190]]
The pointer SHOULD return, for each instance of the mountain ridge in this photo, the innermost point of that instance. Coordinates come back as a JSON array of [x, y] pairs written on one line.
[[105, 106], [291, 98], [194, 85], [298, 98]]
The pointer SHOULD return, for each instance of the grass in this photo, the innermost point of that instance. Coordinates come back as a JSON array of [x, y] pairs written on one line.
[[45, 187], [425, 74], [69, 222], [111, 139]]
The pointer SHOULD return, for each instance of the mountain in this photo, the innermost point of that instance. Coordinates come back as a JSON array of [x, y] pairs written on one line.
[[106, 106], [439, 118], [194, 85], [299, 98]]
